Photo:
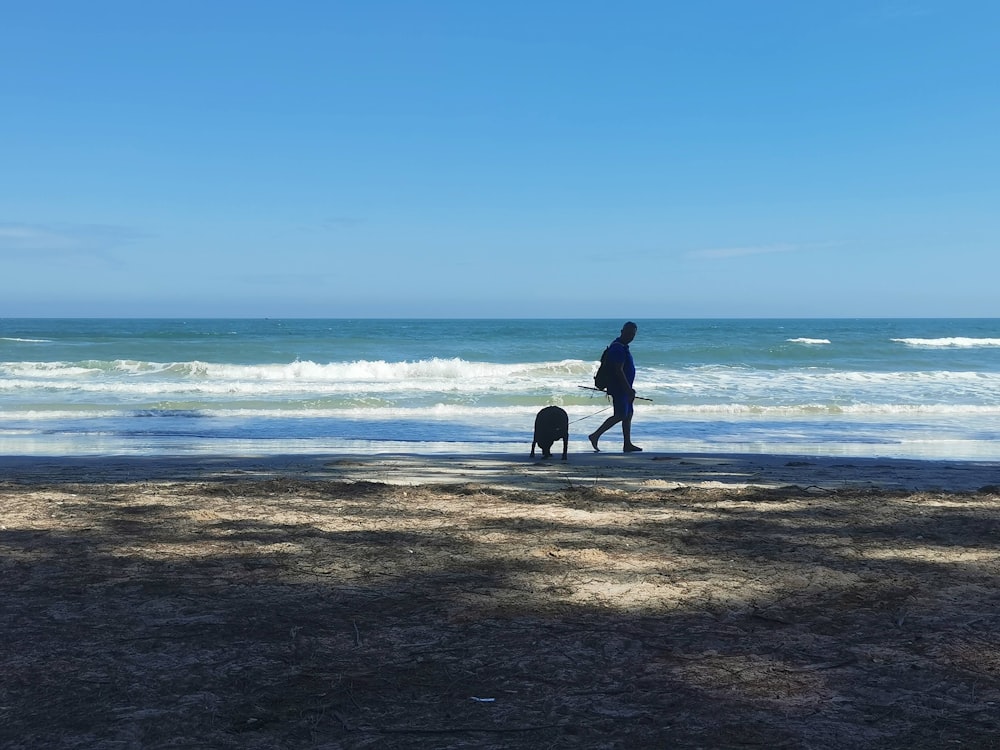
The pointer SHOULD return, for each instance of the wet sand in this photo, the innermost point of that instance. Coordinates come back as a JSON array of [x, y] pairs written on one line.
[[518, 471]]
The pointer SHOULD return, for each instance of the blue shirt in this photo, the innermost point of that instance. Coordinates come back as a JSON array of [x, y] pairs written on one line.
[[619, 354]]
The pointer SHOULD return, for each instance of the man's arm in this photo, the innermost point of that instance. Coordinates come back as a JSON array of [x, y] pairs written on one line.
[[626, 387]]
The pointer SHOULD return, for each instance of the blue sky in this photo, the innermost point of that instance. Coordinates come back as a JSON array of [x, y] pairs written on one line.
[[720, 158]]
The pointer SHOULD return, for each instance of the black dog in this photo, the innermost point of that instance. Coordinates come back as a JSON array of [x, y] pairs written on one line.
[[551, 423]]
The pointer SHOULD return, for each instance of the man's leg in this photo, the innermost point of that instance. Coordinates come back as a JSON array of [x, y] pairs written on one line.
[[627, 435], [627, 446], [623, 410], [596, 434]]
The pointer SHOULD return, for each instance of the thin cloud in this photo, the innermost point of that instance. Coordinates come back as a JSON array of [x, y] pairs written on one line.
[[340, 222], [721, 253], [304, 279], [67, 241]]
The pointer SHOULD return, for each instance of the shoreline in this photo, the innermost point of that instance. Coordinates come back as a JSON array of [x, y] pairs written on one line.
[[645, 471]]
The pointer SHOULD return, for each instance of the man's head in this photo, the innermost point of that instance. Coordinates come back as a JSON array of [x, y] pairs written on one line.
[[629, 331]]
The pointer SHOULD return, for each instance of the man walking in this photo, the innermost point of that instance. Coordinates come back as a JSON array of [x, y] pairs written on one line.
[[620, 389]]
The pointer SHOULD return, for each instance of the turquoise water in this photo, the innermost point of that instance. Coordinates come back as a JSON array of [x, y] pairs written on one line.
[[900, 388]]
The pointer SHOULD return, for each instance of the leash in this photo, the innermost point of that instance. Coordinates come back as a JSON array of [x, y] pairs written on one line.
[[591, 415]]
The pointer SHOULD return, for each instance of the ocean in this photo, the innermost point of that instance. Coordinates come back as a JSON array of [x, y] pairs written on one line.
[[901, 388]]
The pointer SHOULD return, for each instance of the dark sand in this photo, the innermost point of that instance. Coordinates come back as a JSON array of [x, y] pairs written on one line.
[[642, 601]]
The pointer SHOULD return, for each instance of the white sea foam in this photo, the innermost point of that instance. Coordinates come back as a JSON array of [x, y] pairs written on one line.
[[956, 342], [305, 371], [808, 341], [483, 384], [25, 341], [45, 370], [370, 377], [54, 415]]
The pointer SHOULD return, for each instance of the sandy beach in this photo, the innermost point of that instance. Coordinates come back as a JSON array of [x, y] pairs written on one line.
[[498, 601]]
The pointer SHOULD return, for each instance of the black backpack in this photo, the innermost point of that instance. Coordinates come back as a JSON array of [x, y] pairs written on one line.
[[602, 378]]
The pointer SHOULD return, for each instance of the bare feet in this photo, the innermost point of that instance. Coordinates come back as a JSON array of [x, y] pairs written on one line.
[[593, 442], [632, 448]]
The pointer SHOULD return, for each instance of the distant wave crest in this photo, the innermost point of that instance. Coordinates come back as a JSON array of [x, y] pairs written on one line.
[[956, 342], [808, 341]]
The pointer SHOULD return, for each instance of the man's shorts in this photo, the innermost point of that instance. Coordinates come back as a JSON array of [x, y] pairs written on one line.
[[623, 404]]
